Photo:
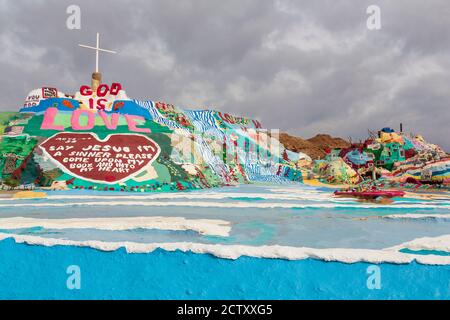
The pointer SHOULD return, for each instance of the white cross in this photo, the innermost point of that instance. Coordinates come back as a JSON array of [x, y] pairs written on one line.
[[97, 49]]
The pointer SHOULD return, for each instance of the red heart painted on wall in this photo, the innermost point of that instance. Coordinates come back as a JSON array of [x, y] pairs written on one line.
[[116, 158]]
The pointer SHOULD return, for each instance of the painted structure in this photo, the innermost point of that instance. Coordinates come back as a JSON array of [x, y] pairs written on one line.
[[99, 139]]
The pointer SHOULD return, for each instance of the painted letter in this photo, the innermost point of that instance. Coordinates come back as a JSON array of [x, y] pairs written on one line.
[[85, 90], [101, 103], [102, 90], [49, 119], [75, 120], [111, 125], [115, 88], [131, 120]]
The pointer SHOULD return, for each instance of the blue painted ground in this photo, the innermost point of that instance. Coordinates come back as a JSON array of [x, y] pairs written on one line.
[[259, 215], [36, 272]]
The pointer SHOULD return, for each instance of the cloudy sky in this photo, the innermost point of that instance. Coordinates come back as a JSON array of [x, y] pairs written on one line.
[[301, 66]]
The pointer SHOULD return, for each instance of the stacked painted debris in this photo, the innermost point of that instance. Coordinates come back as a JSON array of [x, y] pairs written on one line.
[[409, 157], [99, 139], [391, 158]]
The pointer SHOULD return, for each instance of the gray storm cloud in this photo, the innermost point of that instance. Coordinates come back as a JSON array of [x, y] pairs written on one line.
[[301, 66]]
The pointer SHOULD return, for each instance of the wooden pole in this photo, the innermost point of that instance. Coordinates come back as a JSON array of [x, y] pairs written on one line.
[[96, 52], [96, 81]]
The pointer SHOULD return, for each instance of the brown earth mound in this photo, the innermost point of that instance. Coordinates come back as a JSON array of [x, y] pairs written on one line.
[[324, 141], [297, 144], [314, 147]]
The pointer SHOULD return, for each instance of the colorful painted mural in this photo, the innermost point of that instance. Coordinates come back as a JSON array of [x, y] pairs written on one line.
[[102, 140]]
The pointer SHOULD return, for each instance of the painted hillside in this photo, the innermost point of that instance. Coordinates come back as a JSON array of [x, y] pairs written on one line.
[[99, 139]]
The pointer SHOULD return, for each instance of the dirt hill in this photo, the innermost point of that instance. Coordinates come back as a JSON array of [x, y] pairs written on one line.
[[324, 141], [314, 147]]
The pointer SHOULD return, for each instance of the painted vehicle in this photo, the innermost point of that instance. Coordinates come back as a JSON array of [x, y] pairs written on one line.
[[371, 194]]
